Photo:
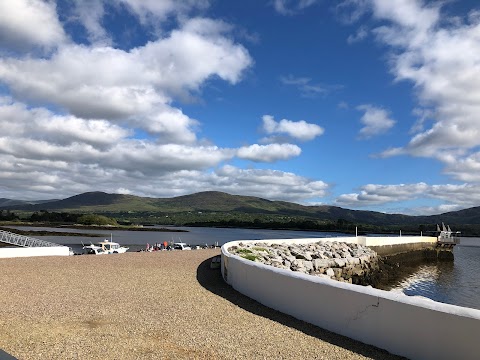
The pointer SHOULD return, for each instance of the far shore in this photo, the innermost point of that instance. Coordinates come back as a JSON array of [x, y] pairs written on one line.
[[9, 227]]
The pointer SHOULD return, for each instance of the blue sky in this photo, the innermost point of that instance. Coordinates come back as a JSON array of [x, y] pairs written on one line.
[[363, 104]]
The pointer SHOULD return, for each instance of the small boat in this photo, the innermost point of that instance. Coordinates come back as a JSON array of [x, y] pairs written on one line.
[[93, 250], [110, 247], [181, 246]]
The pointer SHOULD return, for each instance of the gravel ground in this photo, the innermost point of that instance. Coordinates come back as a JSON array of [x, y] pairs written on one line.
[[163, 305]]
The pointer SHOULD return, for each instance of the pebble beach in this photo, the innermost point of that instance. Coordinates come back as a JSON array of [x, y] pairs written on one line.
[[161, 305]]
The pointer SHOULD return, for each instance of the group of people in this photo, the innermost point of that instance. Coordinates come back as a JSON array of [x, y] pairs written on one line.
[[158, 246]]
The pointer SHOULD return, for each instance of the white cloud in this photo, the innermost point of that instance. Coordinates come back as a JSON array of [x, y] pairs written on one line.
[[268, 153], [30, 24], [307, 88], [137, 86], [434, 210], [90, 14], [127, 82], [300, 130], [270, 184], [44, 179], [150, 13], [453, 196], [439, 55], [17, 122], [376, 121], [372, 194], [61, 155], [83, 117], [291, 7], [464, 169], [350, 11], [360, 35]]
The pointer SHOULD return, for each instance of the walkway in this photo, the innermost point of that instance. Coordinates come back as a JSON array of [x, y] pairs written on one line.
[[163, 305], [10, 238]]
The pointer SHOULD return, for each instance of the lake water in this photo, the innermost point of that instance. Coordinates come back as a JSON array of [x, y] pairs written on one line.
[[454, 283], [137, 240]]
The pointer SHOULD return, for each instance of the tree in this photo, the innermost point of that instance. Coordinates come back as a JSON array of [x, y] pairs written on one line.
[[93, 219]]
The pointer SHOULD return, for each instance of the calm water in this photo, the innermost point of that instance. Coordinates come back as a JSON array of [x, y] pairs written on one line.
[[454, 283], [137, 240]]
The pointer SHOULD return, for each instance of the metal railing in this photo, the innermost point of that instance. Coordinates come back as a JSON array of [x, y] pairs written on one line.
[[21, 240]]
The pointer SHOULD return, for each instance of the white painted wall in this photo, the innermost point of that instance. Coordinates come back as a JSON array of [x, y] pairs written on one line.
[[395, 240], [14, 252], [414, 327]]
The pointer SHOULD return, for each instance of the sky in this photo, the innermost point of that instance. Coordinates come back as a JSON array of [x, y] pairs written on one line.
[[362, 104]]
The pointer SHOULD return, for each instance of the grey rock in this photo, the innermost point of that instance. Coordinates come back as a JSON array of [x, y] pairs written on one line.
[[337, 272], [308, 266], [340, 262], [322, 263]]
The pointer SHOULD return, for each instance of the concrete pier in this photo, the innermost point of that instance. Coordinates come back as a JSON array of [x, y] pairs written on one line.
[[414, 327]]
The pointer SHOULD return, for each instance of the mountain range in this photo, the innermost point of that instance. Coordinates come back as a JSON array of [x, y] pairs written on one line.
[[213, 201]]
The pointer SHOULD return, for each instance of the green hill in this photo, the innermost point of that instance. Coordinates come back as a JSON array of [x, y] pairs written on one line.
[[223, 203]]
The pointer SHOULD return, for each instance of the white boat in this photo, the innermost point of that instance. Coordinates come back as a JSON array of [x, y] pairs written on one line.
[[181, 246], [110, 247], [93, 250]]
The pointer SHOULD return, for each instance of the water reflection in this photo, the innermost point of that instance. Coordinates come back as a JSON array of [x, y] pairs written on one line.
[[454, 283]]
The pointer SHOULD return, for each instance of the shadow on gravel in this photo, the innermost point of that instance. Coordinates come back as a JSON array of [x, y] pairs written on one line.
[[211, 279], [5, 356]]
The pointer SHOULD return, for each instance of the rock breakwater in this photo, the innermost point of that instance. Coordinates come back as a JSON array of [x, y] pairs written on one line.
[[351, 263]]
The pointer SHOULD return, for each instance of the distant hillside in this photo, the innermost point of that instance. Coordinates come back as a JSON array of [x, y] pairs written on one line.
[[4, 203], [219, 202]]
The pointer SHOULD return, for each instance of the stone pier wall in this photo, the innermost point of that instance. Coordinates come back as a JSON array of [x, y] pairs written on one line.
[[351, 263]]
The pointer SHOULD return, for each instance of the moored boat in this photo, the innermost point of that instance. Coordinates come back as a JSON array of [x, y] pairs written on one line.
[[93, 250], [110, 247]]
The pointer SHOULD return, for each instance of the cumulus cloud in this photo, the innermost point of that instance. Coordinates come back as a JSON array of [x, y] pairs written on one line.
[[151, 11], [376, 121], [453, 196], [135, 86], [19, 122], [268, 153], [464, 169], [58, 179], [291, 7], [46, 155], [29, 25], [90, 14], [372, 194], [434, 210], [299, 130], [439, 55], [270, 184], [94, 116], [127, 82]]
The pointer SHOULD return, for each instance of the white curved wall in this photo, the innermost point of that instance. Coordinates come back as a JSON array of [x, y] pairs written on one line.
[[414, 327]]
